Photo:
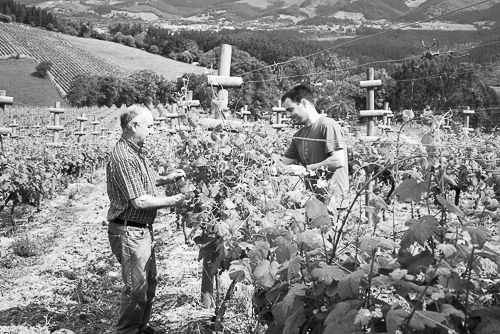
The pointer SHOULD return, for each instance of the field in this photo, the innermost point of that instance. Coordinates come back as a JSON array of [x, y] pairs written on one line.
[[429, 248], [133, 59], [22, 82], [70, 56]]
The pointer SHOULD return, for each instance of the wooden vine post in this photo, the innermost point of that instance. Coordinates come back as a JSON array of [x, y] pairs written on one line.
[[81, 119], [14, 127], [279, 118], [222, 81], [386, 119], [171, 117], [245, 112], [56, 127], [467, 112], [94, 123], [4, 101], [370, 84]]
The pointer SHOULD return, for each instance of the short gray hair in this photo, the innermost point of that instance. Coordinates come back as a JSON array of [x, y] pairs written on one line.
[[130, 113]]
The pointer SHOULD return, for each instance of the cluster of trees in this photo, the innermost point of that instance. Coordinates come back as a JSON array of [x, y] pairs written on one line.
[[32, 15]]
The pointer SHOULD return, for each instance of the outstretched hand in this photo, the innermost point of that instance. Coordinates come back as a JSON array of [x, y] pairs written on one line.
[[176, 174]]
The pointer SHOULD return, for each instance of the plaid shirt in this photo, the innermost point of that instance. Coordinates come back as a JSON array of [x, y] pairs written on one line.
[[129, 176]]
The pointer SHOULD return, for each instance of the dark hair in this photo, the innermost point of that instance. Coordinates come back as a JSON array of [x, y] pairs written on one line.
[[297, 93]]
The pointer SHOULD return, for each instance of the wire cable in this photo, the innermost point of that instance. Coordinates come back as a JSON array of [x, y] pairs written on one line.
[[369, 36]]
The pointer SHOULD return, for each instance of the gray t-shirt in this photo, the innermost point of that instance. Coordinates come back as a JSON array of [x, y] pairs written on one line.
[[311, 151]]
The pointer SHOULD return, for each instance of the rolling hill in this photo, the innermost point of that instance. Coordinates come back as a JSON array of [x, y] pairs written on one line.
[[72, 56], [22, 83]]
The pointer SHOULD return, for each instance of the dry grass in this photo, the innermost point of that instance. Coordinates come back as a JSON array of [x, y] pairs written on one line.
[[132, 59]]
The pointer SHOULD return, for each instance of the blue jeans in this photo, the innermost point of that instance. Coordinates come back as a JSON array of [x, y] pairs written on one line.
[[133, 248]]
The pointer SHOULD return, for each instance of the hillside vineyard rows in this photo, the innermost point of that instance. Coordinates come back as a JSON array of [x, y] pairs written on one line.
[[67, 60], [427, 261]]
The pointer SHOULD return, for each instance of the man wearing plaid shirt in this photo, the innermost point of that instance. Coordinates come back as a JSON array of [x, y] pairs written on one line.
[[131, 184]]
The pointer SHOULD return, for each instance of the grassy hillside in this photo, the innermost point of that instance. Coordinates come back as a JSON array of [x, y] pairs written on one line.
[[132, 59], [20, 81]]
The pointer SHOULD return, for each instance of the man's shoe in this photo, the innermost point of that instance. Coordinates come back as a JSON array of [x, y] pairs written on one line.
[[148, 330]]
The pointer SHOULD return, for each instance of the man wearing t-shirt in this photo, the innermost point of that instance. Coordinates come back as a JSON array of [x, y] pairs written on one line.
[[319, 146]]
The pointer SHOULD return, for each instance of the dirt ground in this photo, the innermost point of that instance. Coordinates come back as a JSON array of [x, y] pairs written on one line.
[[72, 282]]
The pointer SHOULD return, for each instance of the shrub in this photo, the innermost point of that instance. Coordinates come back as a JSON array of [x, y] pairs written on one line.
[[26, 247], [154, 49], [129, 41], [5, 18], [43, 68]]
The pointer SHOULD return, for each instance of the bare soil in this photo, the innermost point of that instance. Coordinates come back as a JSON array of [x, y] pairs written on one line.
[[73, 283]]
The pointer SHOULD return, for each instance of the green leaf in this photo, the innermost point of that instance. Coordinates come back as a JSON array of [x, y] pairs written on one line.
[[341, 320], [309, 240], [369, 243], [408, 190], [420, 231], [240, 270], [293, 322], [284, 252], [395, 318], [450, 207], [294, 266], [478, 235], [259, 252], [349, 285], [447, 249], [421, 319], [322, 220], [448, 310], [265, 273], [485, 320], [315, 208], [327, 274]]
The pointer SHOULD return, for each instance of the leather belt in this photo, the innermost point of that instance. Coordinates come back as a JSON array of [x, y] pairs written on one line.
[[129, 223]]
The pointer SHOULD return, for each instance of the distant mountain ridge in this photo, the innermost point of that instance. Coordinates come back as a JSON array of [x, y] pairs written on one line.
[[390, 10]]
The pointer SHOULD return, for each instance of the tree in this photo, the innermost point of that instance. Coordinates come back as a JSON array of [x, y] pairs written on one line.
[[154, 49], [84, 91], [43, 68]]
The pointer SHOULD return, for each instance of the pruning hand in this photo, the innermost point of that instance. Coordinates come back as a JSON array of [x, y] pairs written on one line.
[[176, 174]]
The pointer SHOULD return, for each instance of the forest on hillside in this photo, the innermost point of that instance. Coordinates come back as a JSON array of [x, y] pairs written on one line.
[[271, 62]]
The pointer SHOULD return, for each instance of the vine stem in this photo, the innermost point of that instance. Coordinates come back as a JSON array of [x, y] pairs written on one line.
[[419, 301], [469, 269], [370, 279], [358, 193]]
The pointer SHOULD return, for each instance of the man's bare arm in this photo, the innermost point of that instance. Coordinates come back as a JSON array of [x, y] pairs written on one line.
[[287, 161], [148, 202], [335, 161]]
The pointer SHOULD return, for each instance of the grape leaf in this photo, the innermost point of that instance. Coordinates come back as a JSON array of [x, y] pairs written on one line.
[[478, 235], [447, 249], [284, 252], [259, 252], [327, 274], [395, 318], [349, 285], [448, 310], [450, 207], [315, 208], [421, 319], [265, 273], [240, 270], [341, 320], [320, 221], [309, 240], [283, 309], [293, 322], [408, 190], [489, 323], [294, 266], [420, 231]]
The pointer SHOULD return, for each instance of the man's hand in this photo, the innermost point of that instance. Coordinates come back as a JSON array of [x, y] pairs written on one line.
[[298, 170], [176, 174], [180, 200]]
